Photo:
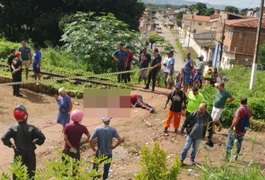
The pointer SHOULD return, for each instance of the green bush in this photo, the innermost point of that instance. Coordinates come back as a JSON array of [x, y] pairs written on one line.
[[155, 166], [5, 48]]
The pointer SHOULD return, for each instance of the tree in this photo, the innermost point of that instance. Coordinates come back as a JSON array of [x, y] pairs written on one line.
[[95, 38], [201, 9], [39, 20], [232, 9], [209, 12], [262, 54]]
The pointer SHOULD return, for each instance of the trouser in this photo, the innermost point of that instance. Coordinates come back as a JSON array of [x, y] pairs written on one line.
[[232, 137], [152, 75], [187, 115], [176, 115], [106, 162], [195, 146], [16, 78], [75, 156], [128, 75], [141, 104], [121, 77], [28, 159]]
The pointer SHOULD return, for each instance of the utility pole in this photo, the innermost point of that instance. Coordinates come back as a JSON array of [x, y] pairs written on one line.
[[190, 30], [255, 58], [222, 45]]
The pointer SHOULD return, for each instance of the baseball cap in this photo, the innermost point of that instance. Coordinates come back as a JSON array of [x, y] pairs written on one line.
[[106, 119], [201, 57]]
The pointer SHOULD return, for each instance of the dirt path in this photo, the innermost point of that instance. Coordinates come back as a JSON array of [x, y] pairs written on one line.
[[42, 113]]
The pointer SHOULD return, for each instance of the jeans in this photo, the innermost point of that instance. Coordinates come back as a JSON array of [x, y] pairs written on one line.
[[106, 166], [195, 145], [121, 77], [230, 143]]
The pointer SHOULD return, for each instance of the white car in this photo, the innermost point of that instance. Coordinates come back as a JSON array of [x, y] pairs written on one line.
[[158, 29]]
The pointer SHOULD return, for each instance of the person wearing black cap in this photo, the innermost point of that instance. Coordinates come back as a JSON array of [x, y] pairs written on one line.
[[103, 136], [199, 72], [178, 102], [25, 137]]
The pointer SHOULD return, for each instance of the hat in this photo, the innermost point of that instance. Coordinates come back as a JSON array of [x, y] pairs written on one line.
[[61, 90], [17, 54], [76, 116], [201, 57], [20, 113], [178, 86], [106, 119]]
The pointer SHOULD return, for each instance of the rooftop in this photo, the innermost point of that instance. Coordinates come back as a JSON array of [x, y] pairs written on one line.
[[247, 23], [199, 18]]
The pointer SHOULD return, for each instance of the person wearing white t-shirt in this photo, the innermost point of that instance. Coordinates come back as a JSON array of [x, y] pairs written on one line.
[[169, 70]]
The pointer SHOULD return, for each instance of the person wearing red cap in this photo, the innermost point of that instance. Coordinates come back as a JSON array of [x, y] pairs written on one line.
[[73, 133], [25, 137], [16, 69]]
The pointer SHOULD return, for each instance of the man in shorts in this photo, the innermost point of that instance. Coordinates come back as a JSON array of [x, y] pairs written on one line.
[[144, 59], [219, 103], [187, 70], [25, 57]]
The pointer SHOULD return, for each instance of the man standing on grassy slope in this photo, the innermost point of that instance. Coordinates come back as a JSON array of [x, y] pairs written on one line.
[[169, 63], [238, 127], [128, 63], [36, 62], [120, 57], [25, 56], [65, 106], [199, 72], [153, 72], [219, 103], [16, 69], [11, 57], [187, 70], [178, 102], [25, 137], [196, 123], [144, 59], [73, 133], [195, 98], [103, 136]]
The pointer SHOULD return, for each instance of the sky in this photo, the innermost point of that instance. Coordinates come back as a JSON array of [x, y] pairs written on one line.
[[236, 3]]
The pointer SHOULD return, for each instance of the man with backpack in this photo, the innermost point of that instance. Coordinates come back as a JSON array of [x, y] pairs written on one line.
[[238, 127]]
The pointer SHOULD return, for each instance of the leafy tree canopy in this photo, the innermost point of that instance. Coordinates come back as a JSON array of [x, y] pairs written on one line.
[[232, 9], [95, 38], [201, 9]]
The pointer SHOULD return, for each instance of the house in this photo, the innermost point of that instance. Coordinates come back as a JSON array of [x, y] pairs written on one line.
[[239, 42]]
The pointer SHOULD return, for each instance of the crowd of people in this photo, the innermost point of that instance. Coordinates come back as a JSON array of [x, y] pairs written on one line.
[[23, 58], [191, 105]]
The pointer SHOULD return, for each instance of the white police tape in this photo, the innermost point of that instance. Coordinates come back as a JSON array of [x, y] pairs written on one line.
[[43, 81]]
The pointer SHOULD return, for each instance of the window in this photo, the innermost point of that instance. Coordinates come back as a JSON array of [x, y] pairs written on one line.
[[230, 35]]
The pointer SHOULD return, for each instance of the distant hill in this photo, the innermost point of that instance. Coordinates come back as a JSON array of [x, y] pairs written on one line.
[[181, 2]]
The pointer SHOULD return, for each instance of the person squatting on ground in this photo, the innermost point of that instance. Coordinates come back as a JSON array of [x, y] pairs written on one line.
[[195, 98], [25, 57], [25, 137], [219, 103], [199, 72], [145, 60], [120, 57], [36, 62], [178, 102], [153, 72], [65, 106], [103, 136], [137, 101], [73, 133], [128, 63], [169, 63], [197, 123], [187, 70], [16, 69], [238, 128]]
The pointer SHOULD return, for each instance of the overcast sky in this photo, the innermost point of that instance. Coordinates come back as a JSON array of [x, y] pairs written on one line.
[[236, 3]]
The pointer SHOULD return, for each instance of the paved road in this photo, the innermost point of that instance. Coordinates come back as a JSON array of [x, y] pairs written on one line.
[[171, 38]]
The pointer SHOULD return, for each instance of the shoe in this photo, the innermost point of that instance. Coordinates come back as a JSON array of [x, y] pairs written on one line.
[[176, 131], [165, 130], [152, 90], [182, 163], [146, 87], [19, 95], [193, 163], [152, 111]]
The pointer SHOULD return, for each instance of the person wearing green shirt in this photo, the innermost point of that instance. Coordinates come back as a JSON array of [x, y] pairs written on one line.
[[222, 98], [195, 98]]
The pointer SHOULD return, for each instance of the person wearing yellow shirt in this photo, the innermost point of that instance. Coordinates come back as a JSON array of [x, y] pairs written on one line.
[[208, 72], [195, 98]]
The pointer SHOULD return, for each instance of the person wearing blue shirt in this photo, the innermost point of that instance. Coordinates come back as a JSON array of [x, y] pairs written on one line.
[[120, 57], [187, 69], [36, 62]]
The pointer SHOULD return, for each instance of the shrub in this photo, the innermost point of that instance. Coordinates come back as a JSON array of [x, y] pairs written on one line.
[[155, 166], [5, 48]]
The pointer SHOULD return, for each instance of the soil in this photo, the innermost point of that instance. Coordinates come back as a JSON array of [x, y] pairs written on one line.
[[141, 129]]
